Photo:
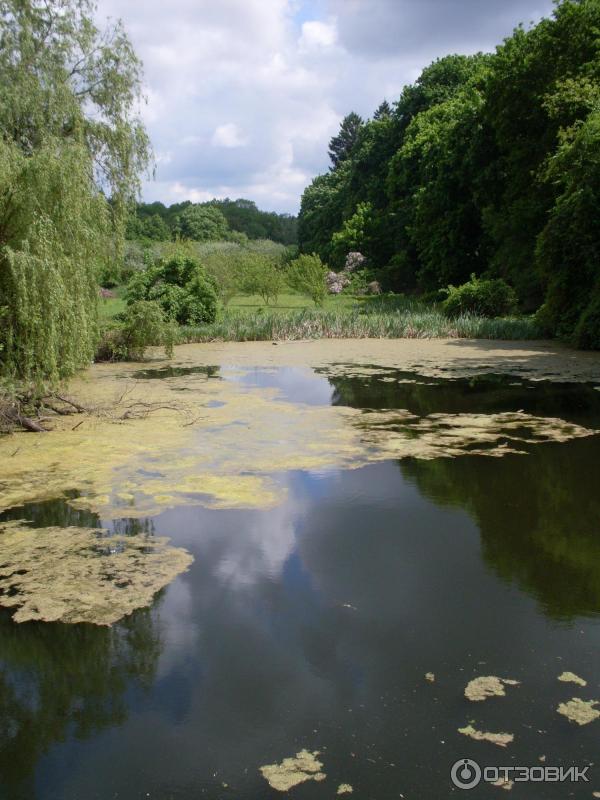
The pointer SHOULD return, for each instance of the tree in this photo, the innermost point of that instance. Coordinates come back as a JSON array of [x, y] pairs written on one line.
[[154, 228], [568, 247], [527, 71], [61, 76], [384, 111], [259, 275], [307, 275], [69, 135], [487, 164], [322, 211], [341, 146], [354, 234], [202, 224]]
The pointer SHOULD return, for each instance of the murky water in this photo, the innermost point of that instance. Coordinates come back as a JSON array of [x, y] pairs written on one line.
[[312, 623]]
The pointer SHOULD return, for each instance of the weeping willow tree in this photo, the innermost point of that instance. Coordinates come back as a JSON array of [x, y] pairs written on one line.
[[70, 137]]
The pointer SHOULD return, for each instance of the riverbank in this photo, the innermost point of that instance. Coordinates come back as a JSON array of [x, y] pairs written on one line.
[[292, 317]]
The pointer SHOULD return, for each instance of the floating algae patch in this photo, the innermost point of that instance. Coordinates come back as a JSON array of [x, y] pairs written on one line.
[[149, 444], [501, 739], [401, 434], [480, 689], [82, 574], [304, 766], [580, 711], [570, 677]]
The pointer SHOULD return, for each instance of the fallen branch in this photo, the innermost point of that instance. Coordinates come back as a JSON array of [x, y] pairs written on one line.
[[29, 424], [66, 401]]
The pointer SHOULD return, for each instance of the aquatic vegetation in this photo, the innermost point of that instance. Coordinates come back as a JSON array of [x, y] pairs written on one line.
[[501, 739], [353, 323], [293, 771], [82, 574], [154, 443], [570, 677], [400, 434], [480, 689], [580, 711]]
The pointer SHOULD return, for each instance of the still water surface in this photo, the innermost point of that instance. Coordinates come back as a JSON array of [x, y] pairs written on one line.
[[312, 624]]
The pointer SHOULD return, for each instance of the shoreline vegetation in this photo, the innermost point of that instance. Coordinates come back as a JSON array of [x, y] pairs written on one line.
[[413, 322]]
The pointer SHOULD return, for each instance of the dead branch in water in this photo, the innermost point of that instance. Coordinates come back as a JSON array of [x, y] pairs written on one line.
[[13, 418]]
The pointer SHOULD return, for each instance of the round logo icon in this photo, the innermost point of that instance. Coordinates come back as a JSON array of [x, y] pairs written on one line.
[[465, 773]]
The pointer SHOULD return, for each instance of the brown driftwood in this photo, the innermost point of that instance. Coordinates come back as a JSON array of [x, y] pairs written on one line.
[[29, 424]]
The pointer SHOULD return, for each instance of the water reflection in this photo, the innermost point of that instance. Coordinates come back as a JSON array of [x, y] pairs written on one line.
[[539, 525], [312, 624], [481, 394], [65, 683]]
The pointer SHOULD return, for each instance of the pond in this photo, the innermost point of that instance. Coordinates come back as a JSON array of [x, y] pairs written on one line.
[[366, 541]]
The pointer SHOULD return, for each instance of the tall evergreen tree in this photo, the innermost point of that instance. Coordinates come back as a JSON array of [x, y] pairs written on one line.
[[341, 146], [384, 111]]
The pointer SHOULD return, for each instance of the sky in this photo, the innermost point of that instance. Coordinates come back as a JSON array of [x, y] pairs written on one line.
[[244, 95]]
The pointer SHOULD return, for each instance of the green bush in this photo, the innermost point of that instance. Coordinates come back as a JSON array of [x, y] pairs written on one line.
[[142, 325], [180, 285], [307, 275], [486, 297]]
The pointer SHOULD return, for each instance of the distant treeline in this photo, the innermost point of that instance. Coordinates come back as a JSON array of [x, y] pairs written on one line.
[[487, 164], [210, 221]]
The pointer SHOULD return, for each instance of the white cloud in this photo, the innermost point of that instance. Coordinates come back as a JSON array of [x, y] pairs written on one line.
[[318, 34], [227, 135], [244, 95]]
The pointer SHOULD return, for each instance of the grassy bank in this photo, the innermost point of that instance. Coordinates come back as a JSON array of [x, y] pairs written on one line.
[[293, 317]]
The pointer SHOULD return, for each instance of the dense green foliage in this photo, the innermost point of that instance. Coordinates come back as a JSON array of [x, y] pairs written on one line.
[[201, 224], [486, 297], [181, 287], [68, 136], [143, 324], [306, 274], [487, 164], [218, 219]]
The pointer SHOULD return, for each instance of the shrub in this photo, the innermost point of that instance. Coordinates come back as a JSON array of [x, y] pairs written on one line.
[[486, 297], [307, 275], [180, 285], [142, 325]]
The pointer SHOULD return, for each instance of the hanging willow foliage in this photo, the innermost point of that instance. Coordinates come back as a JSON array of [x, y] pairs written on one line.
[[55, 231], [70, 136]]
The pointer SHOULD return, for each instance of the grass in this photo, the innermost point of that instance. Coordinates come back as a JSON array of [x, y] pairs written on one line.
[[111, 306], [289, 301], [294, 317], [369, 320]]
